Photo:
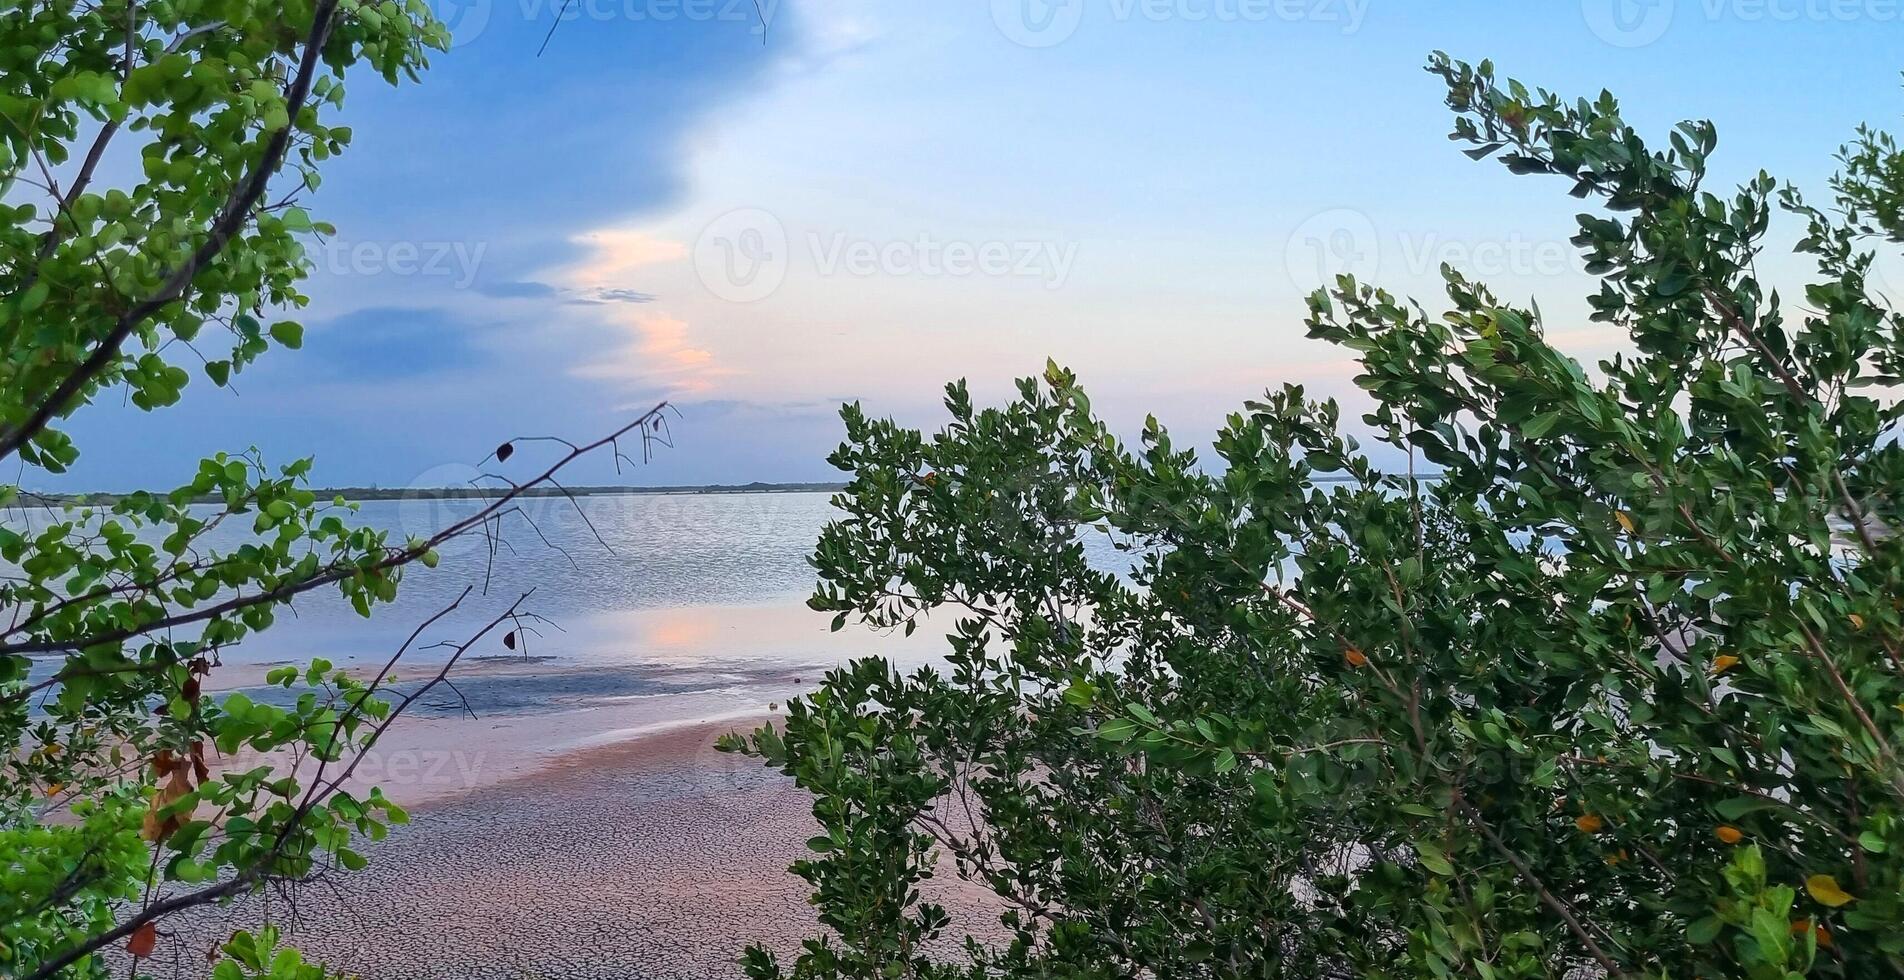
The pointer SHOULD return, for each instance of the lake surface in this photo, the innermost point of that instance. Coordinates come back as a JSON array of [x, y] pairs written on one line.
[[638, 596], [603, 558], [592, 564], [677, 604]]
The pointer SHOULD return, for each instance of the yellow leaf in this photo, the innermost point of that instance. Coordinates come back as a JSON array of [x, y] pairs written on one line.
[[1825, 889], [1729, 834], [1589, 823], [1857, 620], [1723, 663], [1625, 521]]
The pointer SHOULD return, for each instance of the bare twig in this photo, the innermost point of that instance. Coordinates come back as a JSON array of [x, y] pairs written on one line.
[[332, 574], [319, 790]]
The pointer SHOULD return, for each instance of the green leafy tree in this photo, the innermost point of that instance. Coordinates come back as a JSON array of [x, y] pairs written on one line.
[[115, 809], [1608, 679]]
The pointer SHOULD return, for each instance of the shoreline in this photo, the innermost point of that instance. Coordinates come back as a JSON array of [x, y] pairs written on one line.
[[426, 761], [653, 857], [658, 746], [368, 494]]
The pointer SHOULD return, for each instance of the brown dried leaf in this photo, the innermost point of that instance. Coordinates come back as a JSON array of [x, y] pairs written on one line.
[[159, 825], [143, 941]]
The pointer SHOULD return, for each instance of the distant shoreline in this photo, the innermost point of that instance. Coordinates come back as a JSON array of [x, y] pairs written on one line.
[[492, 492], [479, 493]]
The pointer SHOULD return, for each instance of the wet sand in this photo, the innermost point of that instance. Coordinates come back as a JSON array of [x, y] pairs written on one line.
[[650, 858], [581, 825], [604, 837], [655, 857]]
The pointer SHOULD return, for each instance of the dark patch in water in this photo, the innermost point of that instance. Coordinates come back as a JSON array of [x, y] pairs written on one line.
[[539, 692]]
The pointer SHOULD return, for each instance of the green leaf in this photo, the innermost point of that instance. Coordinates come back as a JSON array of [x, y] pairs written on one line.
[[1739, 806], [1117, 730], [1434, 858], [1540, 425]]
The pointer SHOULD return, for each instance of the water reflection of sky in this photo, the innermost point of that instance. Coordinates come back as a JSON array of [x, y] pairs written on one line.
[[680, 578], [494, 688], [584, 559]]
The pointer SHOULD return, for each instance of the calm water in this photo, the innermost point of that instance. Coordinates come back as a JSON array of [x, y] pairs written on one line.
[[654, 594], [589, 563], [643, 594]]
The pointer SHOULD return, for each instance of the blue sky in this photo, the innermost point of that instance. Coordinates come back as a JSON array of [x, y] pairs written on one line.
[[877, 197]]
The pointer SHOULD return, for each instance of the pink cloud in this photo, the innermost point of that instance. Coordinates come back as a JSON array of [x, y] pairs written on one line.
[[617, 253], [657, 350]]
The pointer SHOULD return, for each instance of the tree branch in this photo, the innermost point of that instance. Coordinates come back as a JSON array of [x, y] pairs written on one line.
[[236, 211]]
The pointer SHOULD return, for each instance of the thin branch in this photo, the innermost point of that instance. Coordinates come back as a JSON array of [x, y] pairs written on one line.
[[1547, 898], [334, 573], [258, 871], [236, 211]]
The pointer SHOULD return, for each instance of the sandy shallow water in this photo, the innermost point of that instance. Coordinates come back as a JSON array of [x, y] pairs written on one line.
[[580, 824], [654, 857]]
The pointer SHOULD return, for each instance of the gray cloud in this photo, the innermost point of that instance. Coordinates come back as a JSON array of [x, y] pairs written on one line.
[[518, 289]]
